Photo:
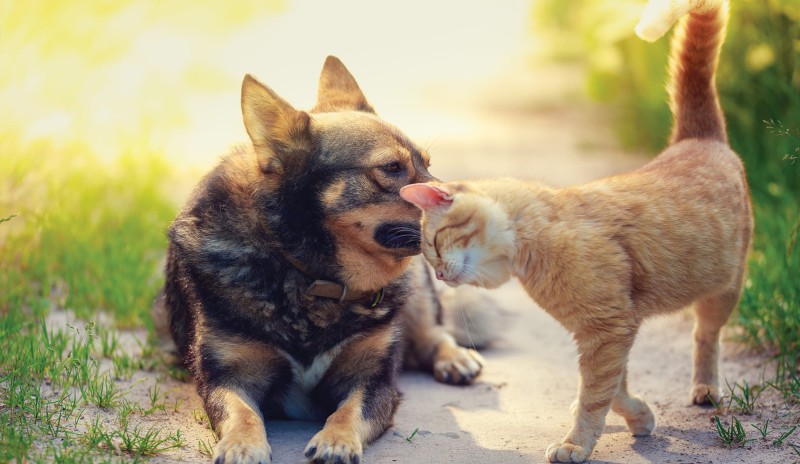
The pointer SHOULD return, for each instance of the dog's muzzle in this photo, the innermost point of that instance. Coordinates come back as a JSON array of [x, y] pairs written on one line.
[[400, 236]]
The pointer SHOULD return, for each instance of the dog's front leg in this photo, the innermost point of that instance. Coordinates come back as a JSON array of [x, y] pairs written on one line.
[[240, 424], [234, 375], [364, 375], [348, 430]]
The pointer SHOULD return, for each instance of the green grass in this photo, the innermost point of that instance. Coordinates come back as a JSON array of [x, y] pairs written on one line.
[[732, 434], [85, 235]]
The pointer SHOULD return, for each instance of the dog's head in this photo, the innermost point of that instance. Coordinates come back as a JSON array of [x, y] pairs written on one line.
[[330, 181]]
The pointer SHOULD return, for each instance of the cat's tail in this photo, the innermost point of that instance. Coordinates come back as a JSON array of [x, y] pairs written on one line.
[[696, 46]]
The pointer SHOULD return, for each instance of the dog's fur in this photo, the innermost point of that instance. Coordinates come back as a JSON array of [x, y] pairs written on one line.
[[314, 197]]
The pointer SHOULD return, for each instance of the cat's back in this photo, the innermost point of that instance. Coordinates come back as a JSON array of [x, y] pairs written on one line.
[[695, 163], [681, 220]]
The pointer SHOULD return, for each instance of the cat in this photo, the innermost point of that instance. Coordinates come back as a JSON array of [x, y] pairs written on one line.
[[603, 256]]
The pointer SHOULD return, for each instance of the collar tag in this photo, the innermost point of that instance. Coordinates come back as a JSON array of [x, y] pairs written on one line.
[[377, 298]]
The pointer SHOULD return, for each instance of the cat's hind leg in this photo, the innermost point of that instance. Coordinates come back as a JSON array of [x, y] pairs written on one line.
[[603, 347], [637, 414], [711, 313]]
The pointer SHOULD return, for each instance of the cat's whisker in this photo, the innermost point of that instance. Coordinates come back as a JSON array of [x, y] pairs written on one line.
[[466, 323]]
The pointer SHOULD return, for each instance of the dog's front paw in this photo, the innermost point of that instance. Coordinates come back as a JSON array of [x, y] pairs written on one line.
[[238, 449], [705, 394], [456, 365], [334, 446], [566, 452]]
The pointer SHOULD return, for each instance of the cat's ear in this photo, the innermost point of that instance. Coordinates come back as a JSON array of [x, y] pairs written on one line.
[[427, 196]]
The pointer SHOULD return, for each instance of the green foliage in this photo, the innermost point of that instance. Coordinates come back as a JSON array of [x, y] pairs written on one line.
[[759, 86], [743, 401], [88, 235], [50, 381], [731, 435]]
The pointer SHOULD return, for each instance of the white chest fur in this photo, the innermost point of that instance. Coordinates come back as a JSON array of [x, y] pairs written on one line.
[[296, 402]]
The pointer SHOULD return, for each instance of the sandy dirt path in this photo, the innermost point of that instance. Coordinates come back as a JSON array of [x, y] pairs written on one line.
[[520, 404]]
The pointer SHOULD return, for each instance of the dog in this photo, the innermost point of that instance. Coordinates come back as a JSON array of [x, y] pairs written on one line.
[[292, 285]]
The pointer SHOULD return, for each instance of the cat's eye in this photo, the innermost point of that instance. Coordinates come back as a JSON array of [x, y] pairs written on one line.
[[392, 168]]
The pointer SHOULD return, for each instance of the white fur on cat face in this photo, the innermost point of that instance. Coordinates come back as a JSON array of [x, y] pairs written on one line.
[[467, 238]]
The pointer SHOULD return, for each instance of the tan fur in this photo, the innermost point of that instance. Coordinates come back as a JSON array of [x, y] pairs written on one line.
[[244, 438], [368, 264], [602, 257], [345, 434], [362, 358], [251, 360]]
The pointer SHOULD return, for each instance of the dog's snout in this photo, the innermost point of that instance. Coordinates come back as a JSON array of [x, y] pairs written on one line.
[[423, 176]]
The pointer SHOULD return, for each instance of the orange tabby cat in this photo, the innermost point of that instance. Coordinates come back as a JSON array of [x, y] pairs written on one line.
[[603, 256]]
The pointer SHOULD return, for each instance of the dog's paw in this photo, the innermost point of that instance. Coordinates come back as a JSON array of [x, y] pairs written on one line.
[[566, 452], [236, 449], [457, 365], [705, 394], [334, 447]]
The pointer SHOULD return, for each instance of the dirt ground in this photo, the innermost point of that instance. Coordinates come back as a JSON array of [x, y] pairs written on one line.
[[520, 404]]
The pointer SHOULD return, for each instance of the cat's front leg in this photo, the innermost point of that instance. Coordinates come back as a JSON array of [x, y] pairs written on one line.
[[603, 351]]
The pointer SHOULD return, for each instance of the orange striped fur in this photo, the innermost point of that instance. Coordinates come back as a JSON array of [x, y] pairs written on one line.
[[604, 256]]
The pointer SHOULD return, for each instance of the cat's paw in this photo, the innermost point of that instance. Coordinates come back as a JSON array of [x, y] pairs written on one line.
[[456, 365], [331, 445], [566, 452], [705, 394], [242, 449], [642, 423]]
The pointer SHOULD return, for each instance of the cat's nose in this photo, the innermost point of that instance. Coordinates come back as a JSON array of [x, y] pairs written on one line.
[[440, 275]]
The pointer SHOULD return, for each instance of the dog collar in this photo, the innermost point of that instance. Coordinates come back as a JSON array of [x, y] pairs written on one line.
[[335, 290], [340, 292]]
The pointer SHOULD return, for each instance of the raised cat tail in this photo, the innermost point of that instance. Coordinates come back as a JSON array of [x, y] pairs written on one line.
[[695, 53]]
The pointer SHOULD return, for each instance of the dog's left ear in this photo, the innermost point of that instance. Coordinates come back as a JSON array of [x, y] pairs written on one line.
[[280, 133], [338, 90]]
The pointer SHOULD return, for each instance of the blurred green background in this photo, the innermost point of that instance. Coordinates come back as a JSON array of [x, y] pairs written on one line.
[[106, 105], [113, 110]]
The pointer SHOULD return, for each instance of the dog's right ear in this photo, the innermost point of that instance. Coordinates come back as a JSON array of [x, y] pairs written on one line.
[[338, 90], [280, 133]]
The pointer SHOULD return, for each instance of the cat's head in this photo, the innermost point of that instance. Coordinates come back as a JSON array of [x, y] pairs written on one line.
[[466, 235]]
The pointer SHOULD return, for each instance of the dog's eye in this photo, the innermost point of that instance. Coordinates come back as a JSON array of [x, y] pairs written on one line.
[[392, 168]]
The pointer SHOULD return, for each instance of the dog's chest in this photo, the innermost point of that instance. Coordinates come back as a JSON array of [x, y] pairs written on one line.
[[296, 402]]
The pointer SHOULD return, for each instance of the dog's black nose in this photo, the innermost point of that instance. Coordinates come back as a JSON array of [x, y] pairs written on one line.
[[398, 235]]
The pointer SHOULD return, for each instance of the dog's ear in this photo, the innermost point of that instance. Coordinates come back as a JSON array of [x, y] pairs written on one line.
[[280, 134], [338, 90]]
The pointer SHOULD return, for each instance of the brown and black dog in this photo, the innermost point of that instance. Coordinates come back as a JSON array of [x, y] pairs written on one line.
[[290, 289]]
